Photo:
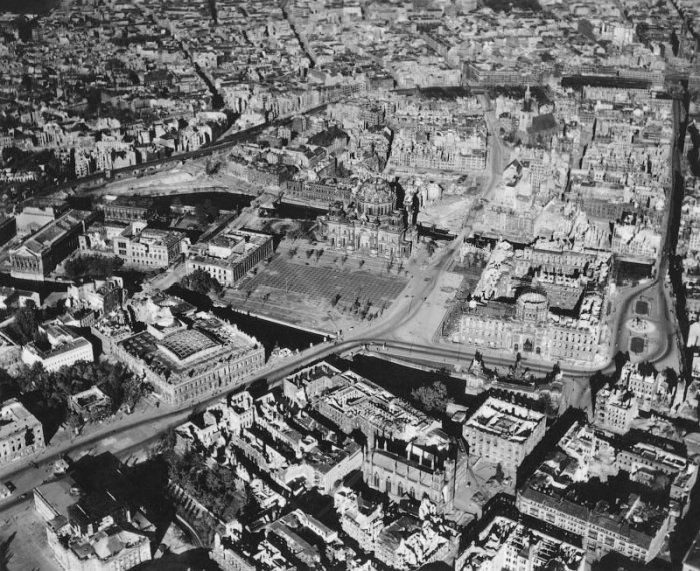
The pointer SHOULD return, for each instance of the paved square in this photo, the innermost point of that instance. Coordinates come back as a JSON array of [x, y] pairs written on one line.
[[325, 283]]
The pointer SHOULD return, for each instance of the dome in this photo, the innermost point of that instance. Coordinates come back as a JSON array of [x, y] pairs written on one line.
[[532, 306], [375, 191]]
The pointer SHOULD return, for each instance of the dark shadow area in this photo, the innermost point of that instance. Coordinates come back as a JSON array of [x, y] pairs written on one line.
[[192, 560], [267, 333], [142, 486], [5, 552]]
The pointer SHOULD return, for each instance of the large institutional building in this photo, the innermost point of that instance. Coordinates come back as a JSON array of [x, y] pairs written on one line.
[[504, 433], [185, 363], [148, 248], [229, 255], [373, 227], [544, 302], [41, 252], [528, 326]]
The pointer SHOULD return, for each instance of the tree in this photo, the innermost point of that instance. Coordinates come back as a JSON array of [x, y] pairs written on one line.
[[206, 211], [646, 369], [92, 266], [671, 378], [74, 422], [9, 388], [51, 390], [25, 325], [216, 487], [547, 404], [431, 398], [200, 282]]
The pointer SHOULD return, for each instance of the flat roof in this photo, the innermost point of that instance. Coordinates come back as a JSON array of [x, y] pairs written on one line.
[[58, 495], [504, 419], [54, 230]]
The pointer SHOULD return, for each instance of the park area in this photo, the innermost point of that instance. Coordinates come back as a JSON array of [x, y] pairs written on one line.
[[324, 290]]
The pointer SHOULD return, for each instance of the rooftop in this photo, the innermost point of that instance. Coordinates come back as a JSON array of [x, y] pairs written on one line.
[[55, 230], [506, 420], [180, 352], [14, 419]]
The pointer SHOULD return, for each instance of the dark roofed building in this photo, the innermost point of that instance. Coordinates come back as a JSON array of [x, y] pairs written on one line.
[[190, 362], [333, 139], [41, 252], [92, 530]]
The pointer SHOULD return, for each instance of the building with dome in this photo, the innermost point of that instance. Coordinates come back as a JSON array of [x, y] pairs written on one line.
[[528, 326], [371, 226]]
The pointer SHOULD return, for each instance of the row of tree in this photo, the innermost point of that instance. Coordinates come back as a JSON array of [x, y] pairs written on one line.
[[46, 393], [92, 266]]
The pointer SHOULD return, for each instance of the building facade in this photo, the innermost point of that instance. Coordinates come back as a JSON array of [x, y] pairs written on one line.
[[615, 409], [601, 534], [228, 256], [41, 252], [528, 327], [374, 227], [504, 433], [21, 434], [150, 248], [65, 348], [189, 363], [127, 208]]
